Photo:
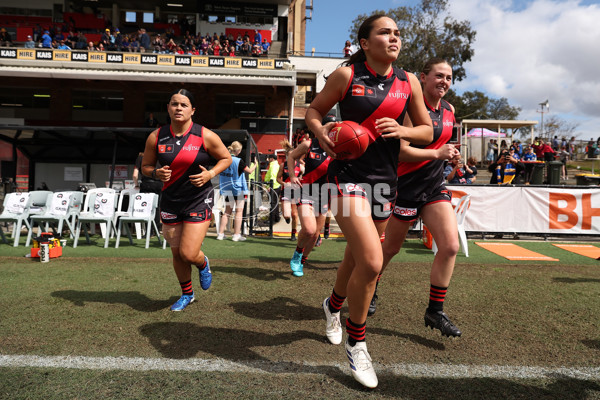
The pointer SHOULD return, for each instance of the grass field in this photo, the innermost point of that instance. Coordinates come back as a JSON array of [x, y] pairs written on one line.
[[95, 324]]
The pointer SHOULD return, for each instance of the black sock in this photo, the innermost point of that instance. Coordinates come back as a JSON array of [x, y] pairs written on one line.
[[437, 295], [186, 288]]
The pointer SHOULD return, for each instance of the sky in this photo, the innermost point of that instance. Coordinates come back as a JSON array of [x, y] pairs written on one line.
[[526, 51]]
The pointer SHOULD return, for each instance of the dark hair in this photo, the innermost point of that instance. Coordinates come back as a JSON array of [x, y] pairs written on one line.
[[363, 33], [431, 62], [186, 93]]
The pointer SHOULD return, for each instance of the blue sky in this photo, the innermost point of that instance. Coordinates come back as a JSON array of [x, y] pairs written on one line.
[[526, 51]]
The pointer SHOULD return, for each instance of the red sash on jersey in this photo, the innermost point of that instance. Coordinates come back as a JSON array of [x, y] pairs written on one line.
[[185, 158]]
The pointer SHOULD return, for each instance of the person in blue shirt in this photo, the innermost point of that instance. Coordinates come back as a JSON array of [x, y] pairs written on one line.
[[233, 187], [257, 36], [63, 46], [265, 47], [46, 40]]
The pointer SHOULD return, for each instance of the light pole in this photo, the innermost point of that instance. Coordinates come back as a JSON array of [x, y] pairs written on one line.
[[545, 104]]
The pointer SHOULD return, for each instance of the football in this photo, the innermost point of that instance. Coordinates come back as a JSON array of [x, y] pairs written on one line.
[[350, 140]]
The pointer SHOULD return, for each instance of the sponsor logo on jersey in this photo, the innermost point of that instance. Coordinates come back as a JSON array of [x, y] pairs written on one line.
[[449, 123], [166, 215], [191, 147], [387, 206], [315, 156], [138, 197], [406, 212], [165, 148], [193, 214], [370, 92], [398, 95], [358, 90], [353, 187]]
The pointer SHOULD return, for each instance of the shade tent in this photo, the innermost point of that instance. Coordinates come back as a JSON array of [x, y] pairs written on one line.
[[479, 132]]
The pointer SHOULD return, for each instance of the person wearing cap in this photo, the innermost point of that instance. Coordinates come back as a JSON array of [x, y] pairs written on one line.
[[29, 43], [46, 40], [63, 46], [118, 42]]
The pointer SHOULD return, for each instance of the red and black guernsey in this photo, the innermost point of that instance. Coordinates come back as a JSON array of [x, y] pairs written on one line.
[[417, 180], [369, 97], [316, 163], [183, 155], [285, 174]]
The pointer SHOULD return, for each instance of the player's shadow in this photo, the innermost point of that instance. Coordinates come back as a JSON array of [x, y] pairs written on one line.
[[184, 340], [416, 248], [420, 340], [575, 280], [592, 344], [135, 300], [261, 274], [279, 308]]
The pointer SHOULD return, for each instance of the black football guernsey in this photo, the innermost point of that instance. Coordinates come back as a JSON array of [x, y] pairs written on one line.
[[316, 163], [369, 97], [183, 155], [417, 180]]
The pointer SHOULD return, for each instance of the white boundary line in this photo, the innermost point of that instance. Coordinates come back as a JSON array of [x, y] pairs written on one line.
[[219, 365]]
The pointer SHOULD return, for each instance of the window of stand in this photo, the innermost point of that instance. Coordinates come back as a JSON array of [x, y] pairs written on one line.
[[235, 106], [97, 105]]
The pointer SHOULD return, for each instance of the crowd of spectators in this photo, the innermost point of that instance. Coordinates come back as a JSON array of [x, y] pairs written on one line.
[[141, 41]]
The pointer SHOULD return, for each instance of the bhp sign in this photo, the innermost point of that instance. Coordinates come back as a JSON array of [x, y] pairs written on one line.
[[567, 210]]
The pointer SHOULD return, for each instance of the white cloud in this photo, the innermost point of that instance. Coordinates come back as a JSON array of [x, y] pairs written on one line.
[[541, 50]]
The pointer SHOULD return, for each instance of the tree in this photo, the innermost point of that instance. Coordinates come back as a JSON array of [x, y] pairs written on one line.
[[427, 31], [476, 105]]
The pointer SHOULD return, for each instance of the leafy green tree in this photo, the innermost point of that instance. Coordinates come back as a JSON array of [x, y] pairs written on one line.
[[426, 31], [476, 105]]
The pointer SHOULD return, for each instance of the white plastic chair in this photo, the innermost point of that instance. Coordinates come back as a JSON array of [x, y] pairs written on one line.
[[99, 207], [61, 208], [460, 209], [143, 209], [127, 193], [18, 207]]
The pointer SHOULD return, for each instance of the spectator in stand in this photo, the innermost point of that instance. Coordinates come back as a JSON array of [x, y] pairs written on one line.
[[265, 47], [506, 170], [170, 46], [455, 172], [222, 38], [257, 36], [256, 49], [231, 51], [471, 169], [91, 47], [29, 44], [246, 48], [46, 40], [348, 49], [126, 44], [179, 50], [238, 43], [105, 40], [63, 46], [204, 46], [118, 39], [193, 51], [134, 44], [101, 47], [159, 44], [71, 39], [144, 40], [59, 36], [216, 47], [514, 154], [81, 41], [214, 38]]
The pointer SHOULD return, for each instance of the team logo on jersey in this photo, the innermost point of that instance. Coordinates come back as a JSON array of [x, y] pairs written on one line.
[[405, 212], [165, 148], [358, 90], [353, 187], [380, 86], [314, 156]]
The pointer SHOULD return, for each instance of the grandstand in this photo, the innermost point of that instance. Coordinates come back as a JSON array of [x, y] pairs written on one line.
[[265, 94]]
